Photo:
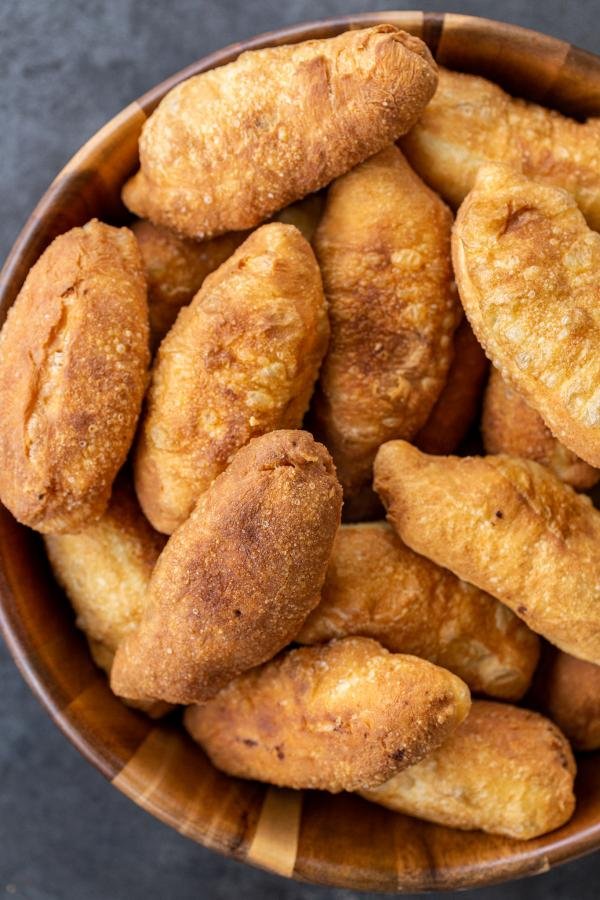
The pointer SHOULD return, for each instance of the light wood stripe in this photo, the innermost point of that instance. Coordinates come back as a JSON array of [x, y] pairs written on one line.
[[275, 841]]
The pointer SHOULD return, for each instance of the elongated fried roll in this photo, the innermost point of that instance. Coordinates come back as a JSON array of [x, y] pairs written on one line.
[[504, 770], [377, 587], [335, 717]]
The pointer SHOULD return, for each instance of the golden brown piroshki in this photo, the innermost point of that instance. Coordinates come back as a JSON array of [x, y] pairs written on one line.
[[509, 425], [227, 148], [175, 270], [457, 405], [73, 370], [105, 570], [336, 717], [377, 587], [471, 121], [528, 272], [507, 525], [383, 244], [241, 360], [236, 580], [505, 770], [568, 690]]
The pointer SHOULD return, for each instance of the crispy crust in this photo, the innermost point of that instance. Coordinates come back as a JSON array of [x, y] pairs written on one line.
[[383, 245], [73, 361], [457, 405], [228, 148], [241, 360], [334, 717], [471, 121], [511, 426], [504, 770], [510, 527], [568, 690], [105, 570], [377, 587], [175, 269], [237, 579], [528, 272]]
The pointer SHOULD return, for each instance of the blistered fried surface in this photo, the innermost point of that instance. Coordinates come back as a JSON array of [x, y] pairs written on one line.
[[241, 360], [383, 245], [73, 369], [510, 527], [334, 717], [504, 770], [229, 147], [471, 121], [175, 269], [458, 404], [509, 425], [568, 690], [528, 272], [236, 581], [377, 587], [105, 570]]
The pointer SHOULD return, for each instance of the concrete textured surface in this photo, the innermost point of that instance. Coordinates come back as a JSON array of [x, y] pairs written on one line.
[[67, 66]]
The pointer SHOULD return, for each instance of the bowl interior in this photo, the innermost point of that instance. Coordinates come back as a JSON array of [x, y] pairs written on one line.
[[337, 840]]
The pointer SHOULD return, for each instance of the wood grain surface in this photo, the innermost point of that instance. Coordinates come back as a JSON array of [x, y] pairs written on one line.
[[335, 840]]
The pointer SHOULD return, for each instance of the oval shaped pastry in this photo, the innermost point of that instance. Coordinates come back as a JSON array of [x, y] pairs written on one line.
[[458, 404], [510, 527], [175, 270], [377, 587], [241, 360], [505, 770], [383, 245], [229, 147], [568, 690], [105, 570], [335, 717], [73, 367], [509, 425], [471, 121], [528, 271], [236, 581]]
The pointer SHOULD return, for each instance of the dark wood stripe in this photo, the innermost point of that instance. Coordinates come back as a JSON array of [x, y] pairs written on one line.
[[576, 89], [433, 26]]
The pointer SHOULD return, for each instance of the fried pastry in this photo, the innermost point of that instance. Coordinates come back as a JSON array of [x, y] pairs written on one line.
[[457, 405], [335, 717], [175, 269], [568, 690], [508, 526], [229, 147], [509, 425], [241, 360], [237, 580], [471, 121], [505, 770], [528, 272], [73, 369], [383, 245], [105, 571], [377, 587]]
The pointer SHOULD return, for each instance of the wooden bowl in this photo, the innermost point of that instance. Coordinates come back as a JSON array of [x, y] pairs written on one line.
[[335, 840]]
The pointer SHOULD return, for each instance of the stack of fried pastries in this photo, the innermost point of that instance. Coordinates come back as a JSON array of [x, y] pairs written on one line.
[[295, 332]]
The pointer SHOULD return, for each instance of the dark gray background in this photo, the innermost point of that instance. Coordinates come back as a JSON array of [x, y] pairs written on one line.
[[65, 68]]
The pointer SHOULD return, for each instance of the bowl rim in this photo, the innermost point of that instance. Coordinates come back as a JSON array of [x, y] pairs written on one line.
[[534, 861]]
